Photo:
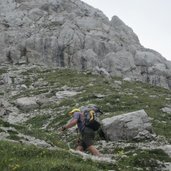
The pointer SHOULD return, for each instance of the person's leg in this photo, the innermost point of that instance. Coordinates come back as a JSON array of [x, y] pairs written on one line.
[[93, 150], [79, 148], [88, 138]]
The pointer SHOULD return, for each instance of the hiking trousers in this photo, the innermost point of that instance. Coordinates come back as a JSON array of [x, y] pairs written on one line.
[[87, 137]]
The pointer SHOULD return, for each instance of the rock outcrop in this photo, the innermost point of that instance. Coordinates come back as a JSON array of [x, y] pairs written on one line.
[[27, 103], [70, 33], [131, 126]]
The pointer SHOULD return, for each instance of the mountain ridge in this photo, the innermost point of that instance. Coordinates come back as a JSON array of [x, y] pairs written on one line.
[[70, 33]]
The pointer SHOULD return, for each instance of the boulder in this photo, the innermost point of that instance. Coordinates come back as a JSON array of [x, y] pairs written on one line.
[[26, 139], [27, 103], [166, 110], [130, 126], [65, 94], [167, 149]]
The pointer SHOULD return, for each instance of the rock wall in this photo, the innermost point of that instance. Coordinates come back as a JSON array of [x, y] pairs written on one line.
[[70, 33]]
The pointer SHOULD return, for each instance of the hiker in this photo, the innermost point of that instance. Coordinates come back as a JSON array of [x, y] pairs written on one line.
[[87, 133]]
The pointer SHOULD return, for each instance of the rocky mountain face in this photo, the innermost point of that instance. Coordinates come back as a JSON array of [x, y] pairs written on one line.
[[70, 33]]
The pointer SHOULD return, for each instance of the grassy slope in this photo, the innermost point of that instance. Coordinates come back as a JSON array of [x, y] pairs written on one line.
[[118, 99]]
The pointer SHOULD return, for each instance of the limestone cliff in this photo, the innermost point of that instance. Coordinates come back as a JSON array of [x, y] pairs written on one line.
[[70, 33]]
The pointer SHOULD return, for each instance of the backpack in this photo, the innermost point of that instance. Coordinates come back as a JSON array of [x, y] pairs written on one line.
[[91, 116]]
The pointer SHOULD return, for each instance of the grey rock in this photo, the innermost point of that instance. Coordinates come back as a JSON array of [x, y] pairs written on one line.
[[130, 126], [125, 32], [26, 103], [166, 110], [2, 111], [43, 101], [3, 135], [70, 33], [7, 129], [118, 82], [32, 140], [102, 72], [1, 82], [16, 117], [7, 78], [100, 96], [4, 103], [118, 63], [65, 93], [127, 79], [40, 83], [23, 87], [167, 149], [5, 109]]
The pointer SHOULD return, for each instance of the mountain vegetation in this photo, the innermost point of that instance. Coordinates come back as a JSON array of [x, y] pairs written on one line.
[[30, 136]]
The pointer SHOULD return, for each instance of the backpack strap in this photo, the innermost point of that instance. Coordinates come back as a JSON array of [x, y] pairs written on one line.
[[91, 112]]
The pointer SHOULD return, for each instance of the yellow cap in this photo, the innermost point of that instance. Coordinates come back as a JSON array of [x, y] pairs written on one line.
[[73, 111]]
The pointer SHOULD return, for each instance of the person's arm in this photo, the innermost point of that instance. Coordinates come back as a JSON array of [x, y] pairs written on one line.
[[72, 123]]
